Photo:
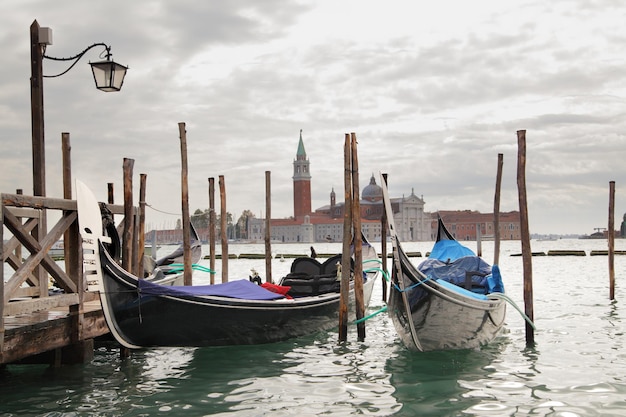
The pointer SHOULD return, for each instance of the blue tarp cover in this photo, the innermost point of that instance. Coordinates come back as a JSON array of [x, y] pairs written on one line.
[[449, 250], [241, 289], [449, 260], [454, 272]]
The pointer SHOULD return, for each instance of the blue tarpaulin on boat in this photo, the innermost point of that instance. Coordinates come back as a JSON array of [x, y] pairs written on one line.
[[454, 271], [449, 250], [241, 289]]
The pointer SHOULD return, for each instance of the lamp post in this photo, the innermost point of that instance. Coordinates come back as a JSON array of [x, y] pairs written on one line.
[[108, 76]]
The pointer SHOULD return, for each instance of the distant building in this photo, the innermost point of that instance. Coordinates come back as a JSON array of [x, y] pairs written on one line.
[[465, 224], [325, 224]]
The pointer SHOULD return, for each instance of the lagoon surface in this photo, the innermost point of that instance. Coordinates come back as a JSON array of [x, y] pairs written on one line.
[[576, 368]]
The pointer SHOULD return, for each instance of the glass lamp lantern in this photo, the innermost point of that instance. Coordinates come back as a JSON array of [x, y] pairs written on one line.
[[108, 75]]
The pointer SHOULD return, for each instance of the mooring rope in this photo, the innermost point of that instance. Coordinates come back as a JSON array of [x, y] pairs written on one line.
[[161, 211], [515, 306], [198, 267], [369, 316]]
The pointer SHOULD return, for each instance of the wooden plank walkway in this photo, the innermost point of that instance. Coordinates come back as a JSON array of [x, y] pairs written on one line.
[[35, 333]]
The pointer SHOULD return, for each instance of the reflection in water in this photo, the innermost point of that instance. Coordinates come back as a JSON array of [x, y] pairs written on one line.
[[577, 367], [439, 382]]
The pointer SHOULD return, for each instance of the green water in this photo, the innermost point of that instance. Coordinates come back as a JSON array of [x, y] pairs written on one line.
[[577, 368]]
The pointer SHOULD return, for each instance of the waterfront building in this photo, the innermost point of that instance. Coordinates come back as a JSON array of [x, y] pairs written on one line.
[[325, 224]]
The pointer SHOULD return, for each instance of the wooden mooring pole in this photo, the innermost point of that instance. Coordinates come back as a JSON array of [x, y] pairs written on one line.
[[525, 235], [347, 238], [496, 211], [268, 224], [212, 226], [351, 236], [141, 241], [358, 243], [611, 239], [188, 267], [127, 235], [383, 247], [223, 229]]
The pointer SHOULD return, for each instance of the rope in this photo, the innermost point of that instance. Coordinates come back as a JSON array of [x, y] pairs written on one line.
[[197, 267], [375, 313], [417, 284], [385, 273], [519, 310], [161, 211]]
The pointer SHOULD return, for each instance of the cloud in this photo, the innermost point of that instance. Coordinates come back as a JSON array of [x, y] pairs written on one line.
[[433, 96]]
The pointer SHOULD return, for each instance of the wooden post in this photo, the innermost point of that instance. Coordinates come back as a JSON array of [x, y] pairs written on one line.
[[185, 206], [36, 106], [496, 212], [127, 235], [223, 227], [268, 225], [347, 240], [141, 244], [212, 226], [135, 242], [611, 240], [358, 243], [71, 239], [479, 240], [80, 350], [38, 142], [110, 193], [383, 246], [124, 351], [18, 248], [71, 244], [525, 235]]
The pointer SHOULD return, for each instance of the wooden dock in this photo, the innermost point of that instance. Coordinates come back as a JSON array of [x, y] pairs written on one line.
[[36, 324]]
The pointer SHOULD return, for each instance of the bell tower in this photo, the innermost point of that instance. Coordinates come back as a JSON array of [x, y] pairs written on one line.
[[301, 182]]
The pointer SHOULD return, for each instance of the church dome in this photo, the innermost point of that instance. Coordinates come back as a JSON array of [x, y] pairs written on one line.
[[372, 192]]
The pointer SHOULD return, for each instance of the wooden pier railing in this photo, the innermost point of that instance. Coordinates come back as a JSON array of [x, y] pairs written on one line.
[[34, 320]]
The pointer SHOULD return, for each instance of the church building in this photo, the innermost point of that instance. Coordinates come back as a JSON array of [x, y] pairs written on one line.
[[325, 224]]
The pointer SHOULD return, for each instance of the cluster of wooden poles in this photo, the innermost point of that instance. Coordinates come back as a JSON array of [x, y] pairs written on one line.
[[352, 227]]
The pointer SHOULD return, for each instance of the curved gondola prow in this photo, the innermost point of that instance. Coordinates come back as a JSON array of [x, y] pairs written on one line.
[[399, 263], [442, 232], [90, 225]]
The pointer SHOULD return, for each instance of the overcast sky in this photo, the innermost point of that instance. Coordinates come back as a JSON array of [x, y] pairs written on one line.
[[433, 90]]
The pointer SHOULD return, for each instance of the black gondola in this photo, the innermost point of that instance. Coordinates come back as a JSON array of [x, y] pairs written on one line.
[[142, 314]]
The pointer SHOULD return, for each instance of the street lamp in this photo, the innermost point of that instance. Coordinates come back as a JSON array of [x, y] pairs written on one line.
[[108, 76]]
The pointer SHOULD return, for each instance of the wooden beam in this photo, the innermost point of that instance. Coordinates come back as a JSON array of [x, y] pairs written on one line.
[[39, 253], [16, 308], [34, 202]]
